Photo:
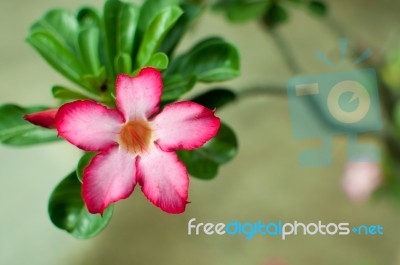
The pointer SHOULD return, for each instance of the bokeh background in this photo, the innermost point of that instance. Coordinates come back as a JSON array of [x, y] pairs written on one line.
[[264, 182]]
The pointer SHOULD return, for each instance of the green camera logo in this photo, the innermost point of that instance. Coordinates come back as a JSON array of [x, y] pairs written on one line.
[[331, 104]]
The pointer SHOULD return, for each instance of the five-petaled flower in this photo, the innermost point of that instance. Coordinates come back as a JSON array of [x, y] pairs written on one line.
[[136, 144]]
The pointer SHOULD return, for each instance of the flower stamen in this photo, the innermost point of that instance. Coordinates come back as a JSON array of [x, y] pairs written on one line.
[[135, 136]]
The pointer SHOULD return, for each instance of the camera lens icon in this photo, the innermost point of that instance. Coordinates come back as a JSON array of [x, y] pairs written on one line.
[[359, 94]]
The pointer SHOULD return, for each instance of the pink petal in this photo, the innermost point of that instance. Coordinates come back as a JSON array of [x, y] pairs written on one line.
[[88, 125], [138, 97], [184, 125], [361, 179], [164, 180], [110, 177], [46, 119]]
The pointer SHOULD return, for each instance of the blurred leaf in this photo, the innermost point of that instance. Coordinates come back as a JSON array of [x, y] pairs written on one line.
[[391, 68], [318, 8], [68, 212], [203, 162], [66, 93], [96, 81], [215, 98], [123, 63], [14, 130], [240, 11], [120, 20], [156, 32], [211, 60], [159, 61], [190, 13], [177, 85], [83, 163], [57, 55], [275, 15], [391, 178]]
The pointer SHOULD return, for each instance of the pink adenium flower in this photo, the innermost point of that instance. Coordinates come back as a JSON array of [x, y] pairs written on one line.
[[361, 179], [46, 118], [136, 143]]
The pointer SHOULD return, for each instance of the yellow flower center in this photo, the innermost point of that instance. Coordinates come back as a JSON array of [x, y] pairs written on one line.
[[135, 136]]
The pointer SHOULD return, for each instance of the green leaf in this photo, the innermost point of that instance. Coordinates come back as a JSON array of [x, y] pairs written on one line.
[[88, 17], [159, 61], [14, 130], [68, 212], [275, 15], [203, 162], [57, 55], [64, 93], [150, 9], [83, 163], [129, 16], [120, 20], [190, 13], [177, 85], [55, 37], [96, 81], [390, 187], [62, 25], [89, 43], [241, 11], [156, 32], [199, 165], [215, 98], [211, 60], [123, 63], [318, 8]]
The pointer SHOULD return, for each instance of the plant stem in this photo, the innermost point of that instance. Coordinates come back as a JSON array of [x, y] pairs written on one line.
[[285, 51]]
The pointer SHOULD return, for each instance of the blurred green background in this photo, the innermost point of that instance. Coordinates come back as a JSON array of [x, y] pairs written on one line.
[[264, 182]]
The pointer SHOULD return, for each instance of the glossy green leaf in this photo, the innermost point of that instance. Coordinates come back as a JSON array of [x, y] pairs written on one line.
[[190, 13], [203, 162], [150, 9], [129, 16], [177, 85], [88, 17], [123, 64], [199, 165], [57, 55], [156, 32], [89, 44], [212, 60], [215, 98], [159, 61], [64, 93], [62, 25], [120, 20], [318, 8], [241, 11], [68, 212], [55, 37], [14, 130], [83, 163]]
